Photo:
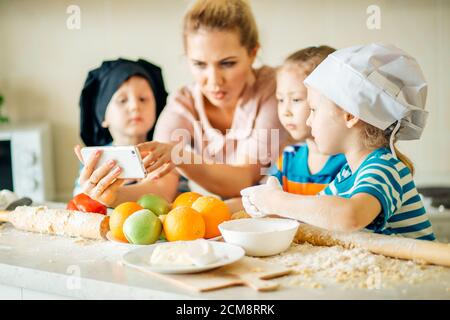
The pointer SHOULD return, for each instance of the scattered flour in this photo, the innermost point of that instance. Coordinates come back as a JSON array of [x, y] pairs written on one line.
[[82, 241], [319, 267]]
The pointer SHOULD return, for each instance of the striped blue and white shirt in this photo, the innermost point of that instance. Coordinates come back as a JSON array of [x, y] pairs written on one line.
[[390, 181]]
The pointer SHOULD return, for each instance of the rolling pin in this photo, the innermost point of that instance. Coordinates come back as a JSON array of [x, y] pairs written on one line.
[[389, 246], [421, 251], [58, 221]]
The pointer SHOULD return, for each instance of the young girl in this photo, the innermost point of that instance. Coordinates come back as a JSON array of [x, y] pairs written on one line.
[[362, 100], [120, 103], [302, 169]]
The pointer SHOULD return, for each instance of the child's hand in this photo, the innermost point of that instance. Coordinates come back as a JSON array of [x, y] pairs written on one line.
[[156, 157], [257, 200]]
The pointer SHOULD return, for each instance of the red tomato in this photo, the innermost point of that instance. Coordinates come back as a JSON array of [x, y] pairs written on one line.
[[82, 202]]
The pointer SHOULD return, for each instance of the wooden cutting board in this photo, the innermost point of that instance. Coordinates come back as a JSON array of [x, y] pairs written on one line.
[[248, 271]]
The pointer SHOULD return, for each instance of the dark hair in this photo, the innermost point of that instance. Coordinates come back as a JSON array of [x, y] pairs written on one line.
[[100, 86]]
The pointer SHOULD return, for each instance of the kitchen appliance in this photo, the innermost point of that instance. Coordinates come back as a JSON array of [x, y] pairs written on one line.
[[26, 166], [439, 195]]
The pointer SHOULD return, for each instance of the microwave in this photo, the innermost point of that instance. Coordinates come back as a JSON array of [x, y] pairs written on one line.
[[26, 166]]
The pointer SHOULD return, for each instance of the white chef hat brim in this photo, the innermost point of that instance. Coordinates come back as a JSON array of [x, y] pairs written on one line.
[[354, 93]]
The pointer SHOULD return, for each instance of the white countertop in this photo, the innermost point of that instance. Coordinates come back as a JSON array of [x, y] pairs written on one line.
[[85, 269], [51, 264]]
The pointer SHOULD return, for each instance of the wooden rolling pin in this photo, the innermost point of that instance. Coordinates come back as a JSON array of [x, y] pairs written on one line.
[[58, 221], [390, 246]]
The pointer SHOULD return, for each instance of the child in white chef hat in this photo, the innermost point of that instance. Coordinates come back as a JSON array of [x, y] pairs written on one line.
[[362, 100]]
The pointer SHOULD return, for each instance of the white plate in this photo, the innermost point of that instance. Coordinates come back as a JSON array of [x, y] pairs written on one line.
[[110, 237], [140, 258]]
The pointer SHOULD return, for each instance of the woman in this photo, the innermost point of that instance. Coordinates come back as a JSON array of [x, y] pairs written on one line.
[[228, 118], [228, 112]]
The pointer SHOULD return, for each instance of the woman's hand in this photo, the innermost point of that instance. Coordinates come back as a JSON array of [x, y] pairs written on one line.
[[100, 184], [157, 158]]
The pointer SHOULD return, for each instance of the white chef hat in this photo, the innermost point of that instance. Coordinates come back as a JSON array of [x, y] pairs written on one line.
[[378, 83]]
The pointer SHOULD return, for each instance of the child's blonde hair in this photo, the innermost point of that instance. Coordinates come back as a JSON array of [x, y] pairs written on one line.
[[374, 137], [223, 15], [309, 58]]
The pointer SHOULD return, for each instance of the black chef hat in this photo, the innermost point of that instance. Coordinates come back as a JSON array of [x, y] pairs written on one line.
[[100, 86]]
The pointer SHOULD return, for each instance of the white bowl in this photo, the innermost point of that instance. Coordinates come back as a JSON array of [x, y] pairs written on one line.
[[260, 237]]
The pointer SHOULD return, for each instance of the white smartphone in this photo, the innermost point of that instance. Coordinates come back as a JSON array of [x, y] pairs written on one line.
[[127, 157]]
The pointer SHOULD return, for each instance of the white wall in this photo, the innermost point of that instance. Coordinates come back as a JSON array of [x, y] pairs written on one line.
[[43, 64]]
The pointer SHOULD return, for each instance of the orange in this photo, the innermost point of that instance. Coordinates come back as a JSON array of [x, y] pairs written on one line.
[[118, 217], [184, 223], [186, 199], [214, 211]]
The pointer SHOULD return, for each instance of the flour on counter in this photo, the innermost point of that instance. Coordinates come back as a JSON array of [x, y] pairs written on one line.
[[82, 241], [318, 267]]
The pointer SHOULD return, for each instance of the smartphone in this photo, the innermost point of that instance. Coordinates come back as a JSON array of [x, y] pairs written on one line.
[[127, 157]]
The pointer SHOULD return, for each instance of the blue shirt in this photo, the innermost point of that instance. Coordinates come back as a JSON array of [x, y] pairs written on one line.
[[293, 172], [390, 181]]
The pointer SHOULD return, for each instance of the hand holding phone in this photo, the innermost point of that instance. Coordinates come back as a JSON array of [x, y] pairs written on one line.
[[126, 157]]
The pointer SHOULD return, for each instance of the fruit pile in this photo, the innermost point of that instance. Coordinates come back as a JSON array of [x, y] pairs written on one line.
[[191, 216]]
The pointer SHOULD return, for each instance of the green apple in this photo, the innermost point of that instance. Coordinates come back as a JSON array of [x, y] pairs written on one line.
[[142, 227], [155, 204]]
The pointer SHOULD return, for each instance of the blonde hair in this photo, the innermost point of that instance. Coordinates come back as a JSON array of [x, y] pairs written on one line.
[[374, 137], [309, 58], [223, 15]]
